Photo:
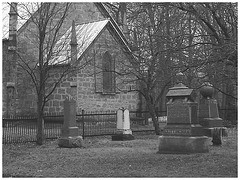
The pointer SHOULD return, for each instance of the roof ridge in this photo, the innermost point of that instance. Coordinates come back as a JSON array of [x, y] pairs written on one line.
[[93, 21]]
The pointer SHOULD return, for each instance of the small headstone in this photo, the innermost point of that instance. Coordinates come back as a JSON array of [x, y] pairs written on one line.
[[120, 116], [123, 126], [70, 137], [217, 137]]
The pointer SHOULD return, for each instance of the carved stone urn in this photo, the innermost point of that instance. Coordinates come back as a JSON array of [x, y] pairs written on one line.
[[207, 90]]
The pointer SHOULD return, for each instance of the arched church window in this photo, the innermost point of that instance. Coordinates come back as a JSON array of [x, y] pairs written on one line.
[[108, 73]]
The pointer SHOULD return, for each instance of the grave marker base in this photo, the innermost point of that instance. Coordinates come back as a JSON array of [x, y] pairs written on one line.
[[122, 137], [183, 145], [70, 142], [211, 122]]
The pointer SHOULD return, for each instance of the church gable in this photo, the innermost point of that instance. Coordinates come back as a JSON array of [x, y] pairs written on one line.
[[97, 86]]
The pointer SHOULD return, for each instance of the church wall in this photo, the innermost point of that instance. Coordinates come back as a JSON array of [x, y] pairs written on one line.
[[89, 95], [5, 74], [80, 86], [25, 92]]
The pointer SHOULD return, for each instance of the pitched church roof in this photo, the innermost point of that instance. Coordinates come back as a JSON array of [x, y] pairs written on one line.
[[86, 34]]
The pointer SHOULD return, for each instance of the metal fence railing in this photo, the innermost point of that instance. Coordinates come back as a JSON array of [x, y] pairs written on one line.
[[96, 123], [24, 129], [19, 129]]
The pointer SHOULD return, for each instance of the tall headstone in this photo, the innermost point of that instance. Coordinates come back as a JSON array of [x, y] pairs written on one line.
[[208, 110], [70, 133], [209, 115], [123, 132], [183, 133]]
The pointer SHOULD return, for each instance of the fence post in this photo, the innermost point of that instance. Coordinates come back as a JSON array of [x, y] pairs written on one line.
[[83, 123]]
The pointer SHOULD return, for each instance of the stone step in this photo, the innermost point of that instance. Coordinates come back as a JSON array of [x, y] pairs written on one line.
[[211, 122]]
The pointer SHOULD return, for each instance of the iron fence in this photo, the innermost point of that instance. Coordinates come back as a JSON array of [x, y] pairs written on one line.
[[96, 123], [19, 129], [24, 129]]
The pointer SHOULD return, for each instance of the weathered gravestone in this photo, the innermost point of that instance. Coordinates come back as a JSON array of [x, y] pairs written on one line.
[[209, 116], [183, 133], [123, 132], [70, 137]]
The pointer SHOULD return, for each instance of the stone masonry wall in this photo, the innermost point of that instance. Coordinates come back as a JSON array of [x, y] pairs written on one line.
[[5, 74], [88, 97], [27, 42], [66, 89], [82, 86]]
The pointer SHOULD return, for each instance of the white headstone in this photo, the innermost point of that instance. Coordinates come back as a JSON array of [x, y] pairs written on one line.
[[120, 119], [123, 119], [123, 126], [126, 119]]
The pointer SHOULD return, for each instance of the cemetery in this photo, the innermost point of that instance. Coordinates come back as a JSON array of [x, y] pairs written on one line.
[[125, 154], [119, 89], [102, 157]]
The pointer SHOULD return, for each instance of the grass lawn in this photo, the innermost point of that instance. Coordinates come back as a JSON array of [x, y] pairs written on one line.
[[102, 157]]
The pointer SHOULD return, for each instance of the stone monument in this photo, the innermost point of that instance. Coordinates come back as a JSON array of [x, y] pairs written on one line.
[[183, 133], [123, 132], [70, 137], [209, 116]]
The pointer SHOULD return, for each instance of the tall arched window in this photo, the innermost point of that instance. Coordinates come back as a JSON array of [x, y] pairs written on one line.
[[108, 73]]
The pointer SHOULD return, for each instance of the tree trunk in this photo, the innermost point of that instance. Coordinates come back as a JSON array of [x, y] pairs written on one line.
[[40, 105], [152, 113], [40, 124]]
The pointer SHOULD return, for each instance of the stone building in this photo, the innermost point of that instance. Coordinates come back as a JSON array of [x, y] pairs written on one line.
[[92, 36]]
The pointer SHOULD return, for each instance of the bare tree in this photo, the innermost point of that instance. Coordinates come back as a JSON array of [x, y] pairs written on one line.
[[151, 68], [44, 51], [168, 38], [218, 22]]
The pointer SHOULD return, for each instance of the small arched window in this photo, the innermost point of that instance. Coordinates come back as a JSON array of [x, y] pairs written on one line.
[[108, 73]]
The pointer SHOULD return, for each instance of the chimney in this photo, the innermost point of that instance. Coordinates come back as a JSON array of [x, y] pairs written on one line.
[[123, 9], [73, 43], [13, 16]]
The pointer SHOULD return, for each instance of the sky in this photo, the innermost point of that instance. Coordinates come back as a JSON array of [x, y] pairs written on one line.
[[5, 16]]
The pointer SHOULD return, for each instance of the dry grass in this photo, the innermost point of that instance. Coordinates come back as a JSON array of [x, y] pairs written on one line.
[[102, 157]]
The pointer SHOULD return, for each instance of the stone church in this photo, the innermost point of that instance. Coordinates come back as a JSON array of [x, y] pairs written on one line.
[[96, 38]]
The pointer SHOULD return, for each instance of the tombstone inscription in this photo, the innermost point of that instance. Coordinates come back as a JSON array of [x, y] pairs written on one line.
[[182, 112], [183, 133]]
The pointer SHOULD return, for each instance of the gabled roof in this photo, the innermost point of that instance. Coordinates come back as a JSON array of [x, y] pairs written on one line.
[[86, 34], [22, 21], [106, 14]]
